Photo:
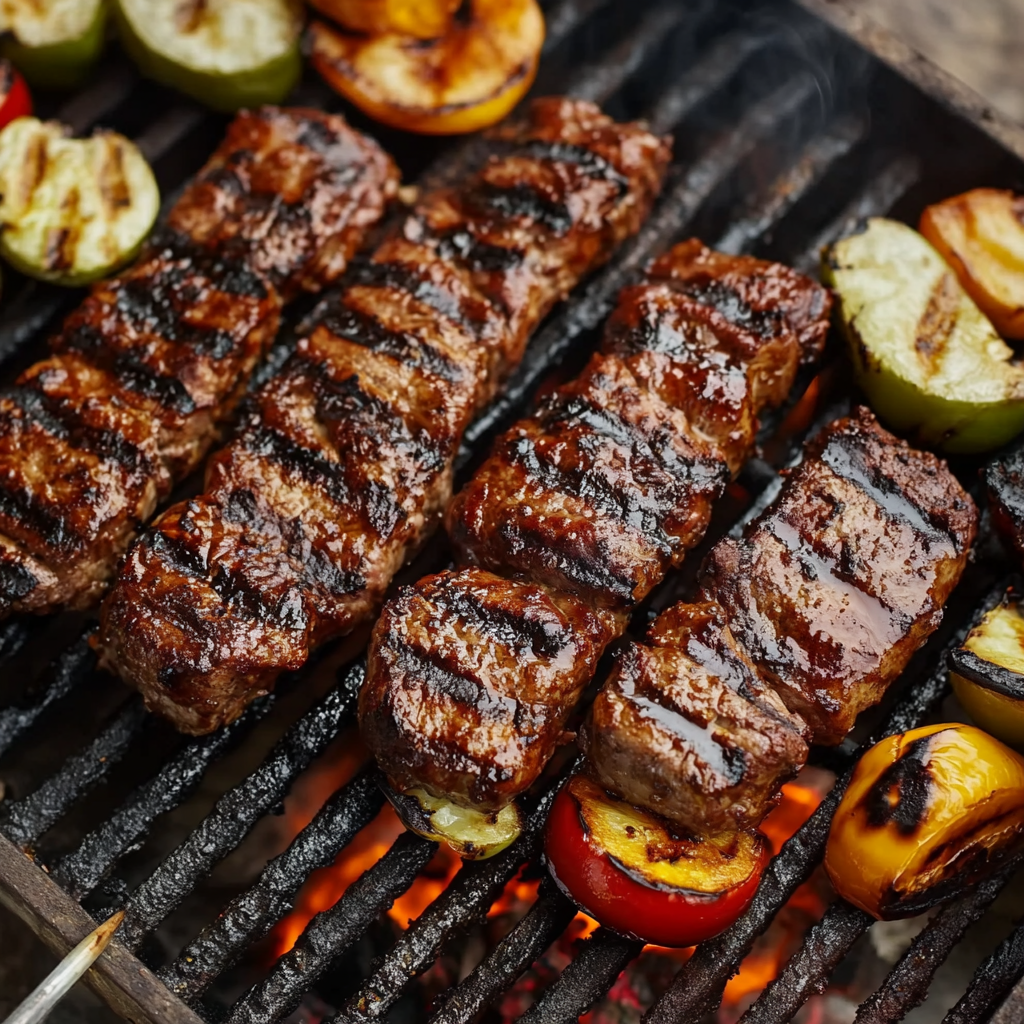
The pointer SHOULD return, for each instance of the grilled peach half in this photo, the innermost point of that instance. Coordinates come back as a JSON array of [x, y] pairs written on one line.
[[424, 19], [980, 234], [467, 79]]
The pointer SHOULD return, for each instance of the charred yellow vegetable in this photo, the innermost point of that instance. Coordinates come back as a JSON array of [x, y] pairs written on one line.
[[473, 835], [988, 672], [469, 78], [925, 355], [981, 235], [424, 19], [927, 813], [72, 210]]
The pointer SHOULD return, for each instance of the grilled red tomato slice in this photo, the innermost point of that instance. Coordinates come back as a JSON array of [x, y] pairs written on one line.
[[15, 100], [625, 867]]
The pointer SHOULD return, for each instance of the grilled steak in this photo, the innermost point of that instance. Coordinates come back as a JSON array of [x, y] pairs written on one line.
[[588, 502], [687, 728], [470, 654], [343, 464], [145, 371], [821, 603], [1004, 478], [833, 588], [289, 193]]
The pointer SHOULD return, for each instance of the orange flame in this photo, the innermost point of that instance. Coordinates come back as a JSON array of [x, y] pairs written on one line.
[[806, 906]]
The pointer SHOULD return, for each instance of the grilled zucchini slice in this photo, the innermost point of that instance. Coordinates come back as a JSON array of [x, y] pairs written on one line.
[[227, 54], [55, 44], [928, 360], [988, 671], [72, 210], [473, 835]]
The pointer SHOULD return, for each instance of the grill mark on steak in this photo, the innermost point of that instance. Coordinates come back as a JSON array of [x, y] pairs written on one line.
[[368, 331], [521, 201], [404, 278]]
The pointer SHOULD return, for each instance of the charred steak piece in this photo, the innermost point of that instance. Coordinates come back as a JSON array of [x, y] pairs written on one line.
[[467, 687], [146, 370], [834, 587], [343, 465], [591, 500], [687, 728], [1004, 478]]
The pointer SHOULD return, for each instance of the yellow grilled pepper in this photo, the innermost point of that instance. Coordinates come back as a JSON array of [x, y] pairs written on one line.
[[925, 355], [927, 813], [988, 672], [980, 234]]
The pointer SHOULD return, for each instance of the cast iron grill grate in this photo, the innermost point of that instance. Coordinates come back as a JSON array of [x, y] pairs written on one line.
[[787, 133]]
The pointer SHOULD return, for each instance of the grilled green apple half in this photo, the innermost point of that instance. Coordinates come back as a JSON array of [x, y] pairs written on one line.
[[928, 360], [227, 54], [55, 44], [72, 210]]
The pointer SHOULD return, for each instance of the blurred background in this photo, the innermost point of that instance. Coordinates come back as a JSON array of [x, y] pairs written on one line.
[[981, 42]]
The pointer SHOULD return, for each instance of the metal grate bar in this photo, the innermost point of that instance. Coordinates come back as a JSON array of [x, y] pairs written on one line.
[[680, 202], [238, 810], [467, 899], [820, 155], [593, 971], [697, 987], [546, 920], [82, 870], [991, 982], [25, 821], [71, 669], [876, 199], [601, 80], [908, 982], [14, 634], [101, 98], [333, 931], [249, 917], [562, 20], [809, 969]]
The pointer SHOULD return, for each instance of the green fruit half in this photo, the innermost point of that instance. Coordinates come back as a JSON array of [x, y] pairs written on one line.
[[227, 54], [73, 210], [55, 44], [927, 358]]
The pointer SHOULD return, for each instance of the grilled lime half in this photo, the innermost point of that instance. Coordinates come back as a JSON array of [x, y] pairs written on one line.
[[56, 43]]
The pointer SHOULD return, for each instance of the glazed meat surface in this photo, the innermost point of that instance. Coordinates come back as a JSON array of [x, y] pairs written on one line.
[[343, 463], [1004, 479], [834, 587], [596, 495], [289, 193], [686, 727], [146, 370], [466, 684]]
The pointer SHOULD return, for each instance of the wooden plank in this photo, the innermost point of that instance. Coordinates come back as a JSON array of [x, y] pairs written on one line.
[[931, 79], [117, 977]]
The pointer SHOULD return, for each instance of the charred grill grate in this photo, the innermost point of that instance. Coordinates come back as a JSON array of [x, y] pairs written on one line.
[[787, 133]]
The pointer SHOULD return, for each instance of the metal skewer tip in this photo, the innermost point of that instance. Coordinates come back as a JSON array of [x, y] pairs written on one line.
[[55, 985]]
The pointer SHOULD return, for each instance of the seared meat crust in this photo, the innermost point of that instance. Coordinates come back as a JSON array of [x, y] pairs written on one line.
[[596, 496], [1004, 478], [467, 688], [289, 193], [686, 727], [146, 370], [844, 577], [344, 460]]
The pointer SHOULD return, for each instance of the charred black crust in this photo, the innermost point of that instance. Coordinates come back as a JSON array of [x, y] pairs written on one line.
[[900, 796]]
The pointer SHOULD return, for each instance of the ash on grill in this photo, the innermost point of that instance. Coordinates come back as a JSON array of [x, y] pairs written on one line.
[[787, 133]]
